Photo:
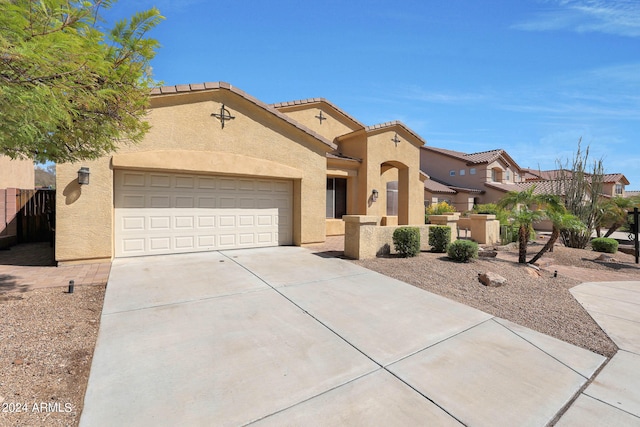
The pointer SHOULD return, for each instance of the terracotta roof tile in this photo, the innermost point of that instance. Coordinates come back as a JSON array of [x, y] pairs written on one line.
[[436, 187], [223, 85], [475, 158]]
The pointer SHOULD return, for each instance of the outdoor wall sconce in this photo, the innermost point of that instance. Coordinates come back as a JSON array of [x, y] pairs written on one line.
[[83, 176], [374, 195]]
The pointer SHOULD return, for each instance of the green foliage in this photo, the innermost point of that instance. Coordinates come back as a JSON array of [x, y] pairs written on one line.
[[406, 240], [581, 186], [463, 250], [523, 215], [439, 238], [501, 214], [68, 91], [441, 208], [604, 244]]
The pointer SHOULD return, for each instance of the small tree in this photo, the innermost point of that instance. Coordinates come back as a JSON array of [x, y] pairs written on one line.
[[614, 214], [561, 221], [522, 203], [581, 187], [68, 91]]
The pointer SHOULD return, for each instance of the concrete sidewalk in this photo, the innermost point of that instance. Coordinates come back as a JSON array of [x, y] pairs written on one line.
[[613, 398], [280, 336]]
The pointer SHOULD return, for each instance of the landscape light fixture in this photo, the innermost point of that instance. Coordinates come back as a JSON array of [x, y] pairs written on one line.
[[374, 195], [83, 176]]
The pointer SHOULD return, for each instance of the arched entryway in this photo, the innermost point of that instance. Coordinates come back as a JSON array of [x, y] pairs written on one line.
[[394, 178]]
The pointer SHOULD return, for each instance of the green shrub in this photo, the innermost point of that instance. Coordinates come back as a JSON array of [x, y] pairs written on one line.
[[501, 214], [407, 241], [463, 250], [604, 244], [439, 238], [441, 208]]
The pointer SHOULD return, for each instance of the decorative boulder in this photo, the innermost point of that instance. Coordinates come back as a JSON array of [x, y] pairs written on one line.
[[487, 253], [491, 279], [606, 258]]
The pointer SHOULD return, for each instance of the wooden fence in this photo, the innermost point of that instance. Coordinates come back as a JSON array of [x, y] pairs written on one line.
[[36, 215]]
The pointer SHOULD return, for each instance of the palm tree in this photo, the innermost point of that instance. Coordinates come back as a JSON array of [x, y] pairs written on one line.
[[561, 221], [522, 203], [614, 214]]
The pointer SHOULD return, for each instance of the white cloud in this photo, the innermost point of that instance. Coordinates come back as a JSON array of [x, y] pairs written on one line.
[[620, 17]]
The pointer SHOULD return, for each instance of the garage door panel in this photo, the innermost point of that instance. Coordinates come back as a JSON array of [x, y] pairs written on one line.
[[158, 213]]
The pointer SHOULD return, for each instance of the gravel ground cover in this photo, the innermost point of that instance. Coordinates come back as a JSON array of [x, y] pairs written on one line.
[[540, 302], [47, 337]]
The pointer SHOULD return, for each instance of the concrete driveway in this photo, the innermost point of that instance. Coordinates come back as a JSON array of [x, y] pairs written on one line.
[[280, 336]]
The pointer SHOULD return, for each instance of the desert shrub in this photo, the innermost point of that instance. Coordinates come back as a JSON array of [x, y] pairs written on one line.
[[406, 240], [437, 209], [439, 238], [463, 250], [604, 244], [501, 214]]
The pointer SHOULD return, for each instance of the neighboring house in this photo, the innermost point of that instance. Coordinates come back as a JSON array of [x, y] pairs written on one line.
[[15, 175], [220, 169], [613, 184], [467, 179]]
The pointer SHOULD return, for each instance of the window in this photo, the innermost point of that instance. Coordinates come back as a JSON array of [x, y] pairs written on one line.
[[462, 172], [496, 175], [619, 189], [452, 173], [507, 175], [392, 198], [336, 197], [472, 171]]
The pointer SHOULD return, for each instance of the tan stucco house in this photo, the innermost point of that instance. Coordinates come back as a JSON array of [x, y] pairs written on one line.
[[220, 169], [465, 179], [18, 173], [613, 184]]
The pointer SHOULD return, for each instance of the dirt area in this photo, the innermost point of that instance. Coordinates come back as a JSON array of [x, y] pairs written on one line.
[[47, 337], [537, 300]]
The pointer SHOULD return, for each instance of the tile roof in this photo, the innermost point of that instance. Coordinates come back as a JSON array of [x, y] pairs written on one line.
[[558, 173], [186, 88], [615, 177], [316, 101], [391, 124], [337, 155], [475, 158], [436, 187]]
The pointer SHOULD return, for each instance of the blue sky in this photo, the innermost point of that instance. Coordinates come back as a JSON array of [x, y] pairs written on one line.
[[529, 76]]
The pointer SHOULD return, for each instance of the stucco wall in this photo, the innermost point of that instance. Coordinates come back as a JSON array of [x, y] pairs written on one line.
[[16, 173], [405, 158], [256, 142], [334, 125]]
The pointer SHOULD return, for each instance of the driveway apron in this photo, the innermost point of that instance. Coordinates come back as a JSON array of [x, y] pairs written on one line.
[[282, 336]]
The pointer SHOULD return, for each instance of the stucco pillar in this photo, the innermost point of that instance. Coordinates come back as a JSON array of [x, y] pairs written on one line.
[[485, 229], [360, 240]]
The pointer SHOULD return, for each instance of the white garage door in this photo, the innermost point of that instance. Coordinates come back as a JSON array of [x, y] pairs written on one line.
[[165, 213]]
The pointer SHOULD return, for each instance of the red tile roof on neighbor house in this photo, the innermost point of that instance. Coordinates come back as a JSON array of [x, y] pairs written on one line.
[[317, 101], [550, 175], [435, 186], [476, 158], [196, 87]]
